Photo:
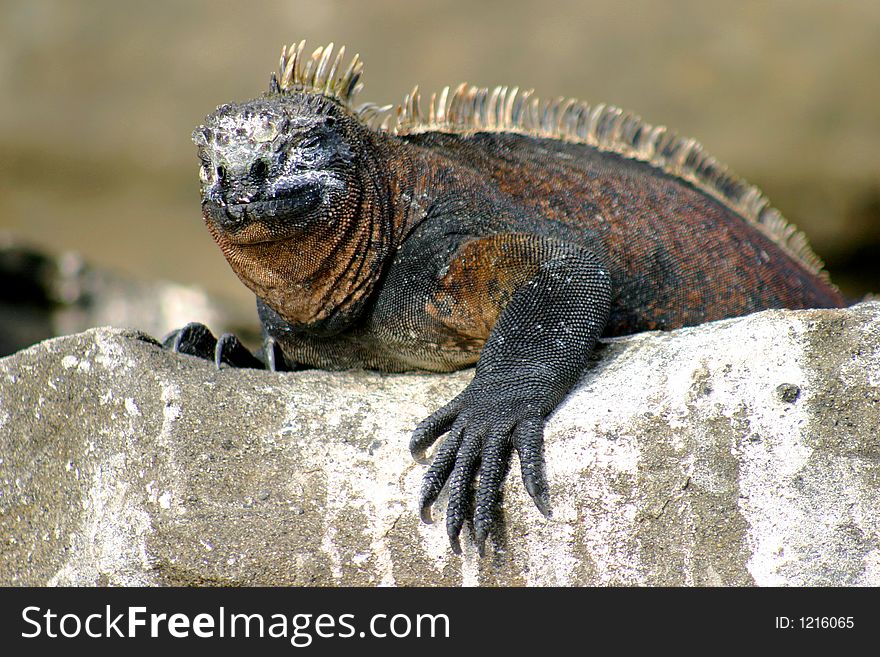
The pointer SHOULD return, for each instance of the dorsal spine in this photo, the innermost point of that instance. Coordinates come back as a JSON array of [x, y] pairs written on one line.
[[469, 109]]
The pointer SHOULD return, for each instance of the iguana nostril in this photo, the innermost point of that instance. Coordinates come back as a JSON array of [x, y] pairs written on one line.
[[259, 169]]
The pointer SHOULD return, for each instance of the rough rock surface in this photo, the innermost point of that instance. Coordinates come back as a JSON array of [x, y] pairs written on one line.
[[740, 452]]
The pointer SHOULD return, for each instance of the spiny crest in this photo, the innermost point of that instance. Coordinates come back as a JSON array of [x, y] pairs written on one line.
[[469, 109], [318, 73]]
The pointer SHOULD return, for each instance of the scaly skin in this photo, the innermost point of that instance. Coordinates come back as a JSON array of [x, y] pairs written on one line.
[[435, 251]]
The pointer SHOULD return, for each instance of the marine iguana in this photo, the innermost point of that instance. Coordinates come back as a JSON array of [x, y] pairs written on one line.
[[494, 229]]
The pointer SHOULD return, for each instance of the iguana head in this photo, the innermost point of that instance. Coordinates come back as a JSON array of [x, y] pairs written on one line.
[[284, 194], [274, 167]]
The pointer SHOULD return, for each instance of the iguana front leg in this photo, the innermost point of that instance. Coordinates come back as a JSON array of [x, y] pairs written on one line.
[[535, 352]]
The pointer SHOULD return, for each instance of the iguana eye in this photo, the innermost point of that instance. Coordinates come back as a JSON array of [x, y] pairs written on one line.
[[310, 142]]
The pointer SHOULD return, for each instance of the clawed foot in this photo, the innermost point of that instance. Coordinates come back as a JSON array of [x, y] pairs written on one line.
[[196, 339], [482, 430]]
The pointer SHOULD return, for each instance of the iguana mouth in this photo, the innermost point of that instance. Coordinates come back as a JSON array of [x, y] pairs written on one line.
[[266, 220], [273, 208]]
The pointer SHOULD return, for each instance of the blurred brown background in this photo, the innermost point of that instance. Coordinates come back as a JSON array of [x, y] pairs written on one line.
[[99, 98]]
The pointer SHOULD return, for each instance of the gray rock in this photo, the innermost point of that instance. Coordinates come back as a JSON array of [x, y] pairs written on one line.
[[740, 452]]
